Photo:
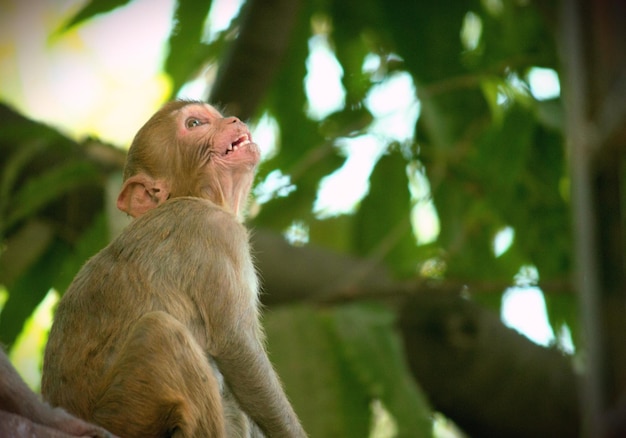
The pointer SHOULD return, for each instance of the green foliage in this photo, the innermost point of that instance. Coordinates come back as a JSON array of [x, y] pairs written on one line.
[[304, 349], [382, 228], [49, 186], [372, 348], [185, 54], [12, 169], [28, 291], [54, 269], [305, 153], [341, 360], [515, 35], [93, 8]]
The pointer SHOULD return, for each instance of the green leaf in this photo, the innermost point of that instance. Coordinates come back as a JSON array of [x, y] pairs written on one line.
[[354, 40], [93, 8], [382, 224], [24, 247], [14, 166], [519, 165], [55, 268], [346, 122], [501, 154], [418, 28], [562, 309], [41, 190], [516, 35], [373, 350], [333, 233], [543, 218], [28, 291], [184, 56], [450, 102], [551, 114], [325, 393]]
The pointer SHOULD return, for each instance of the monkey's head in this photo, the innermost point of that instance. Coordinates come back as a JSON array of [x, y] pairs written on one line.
[[189, 149]]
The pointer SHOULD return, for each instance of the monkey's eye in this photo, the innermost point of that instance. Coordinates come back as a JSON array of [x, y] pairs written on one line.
[[192, 122]]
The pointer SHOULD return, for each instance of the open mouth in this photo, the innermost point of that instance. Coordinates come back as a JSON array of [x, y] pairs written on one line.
[[241, 141]]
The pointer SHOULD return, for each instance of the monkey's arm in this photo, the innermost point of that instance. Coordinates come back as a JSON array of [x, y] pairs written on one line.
[[236, 336], [258, 390], [256, 387]]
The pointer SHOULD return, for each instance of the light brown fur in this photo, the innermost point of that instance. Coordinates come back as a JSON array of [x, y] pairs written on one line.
[[159, 333]]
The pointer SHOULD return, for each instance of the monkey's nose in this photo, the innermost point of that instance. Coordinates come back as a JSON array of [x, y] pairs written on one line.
[[232, 119]]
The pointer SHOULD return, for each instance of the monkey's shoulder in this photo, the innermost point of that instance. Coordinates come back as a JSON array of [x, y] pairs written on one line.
[[183, 224]]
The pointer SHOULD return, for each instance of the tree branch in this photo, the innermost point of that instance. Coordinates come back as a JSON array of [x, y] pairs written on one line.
[[489, 379], [255, 56]]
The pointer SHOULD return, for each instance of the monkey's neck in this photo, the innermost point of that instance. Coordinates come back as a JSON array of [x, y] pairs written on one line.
[[230, 193]]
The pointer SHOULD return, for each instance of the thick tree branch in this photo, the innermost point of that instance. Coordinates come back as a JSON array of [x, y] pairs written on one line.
[[255, 56], [490, 379]]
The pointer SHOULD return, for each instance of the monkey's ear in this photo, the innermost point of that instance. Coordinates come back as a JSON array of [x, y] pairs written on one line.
[[141, 193]]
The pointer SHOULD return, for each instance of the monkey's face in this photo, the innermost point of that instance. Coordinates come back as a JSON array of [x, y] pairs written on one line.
[[217, 154], [216, 141]]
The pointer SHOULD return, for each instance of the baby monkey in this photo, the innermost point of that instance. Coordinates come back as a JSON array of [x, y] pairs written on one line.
[[159, 333]]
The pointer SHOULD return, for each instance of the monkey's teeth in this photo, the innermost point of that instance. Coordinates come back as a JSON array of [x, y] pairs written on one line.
[[241, 141]]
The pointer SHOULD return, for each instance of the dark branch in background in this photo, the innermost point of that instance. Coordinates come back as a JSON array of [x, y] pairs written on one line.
[[316, 275], [490, 379], [255, 56]]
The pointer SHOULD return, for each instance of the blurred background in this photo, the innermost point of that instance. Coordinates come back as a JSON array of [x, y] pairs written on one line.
[[437, 218]]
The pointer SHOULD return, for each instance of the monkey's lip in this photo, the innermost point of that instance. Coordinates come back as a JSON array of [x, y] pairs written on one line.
[[241, 141]]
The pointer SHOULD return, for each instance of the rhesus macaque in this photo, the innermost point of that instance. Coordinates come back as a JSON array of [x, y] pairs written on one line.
[[24, 415], [159, 333]]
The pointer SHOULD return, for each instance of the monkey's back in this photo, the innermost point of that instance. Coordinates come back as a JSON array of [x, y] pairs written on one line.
[[156, 264]]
